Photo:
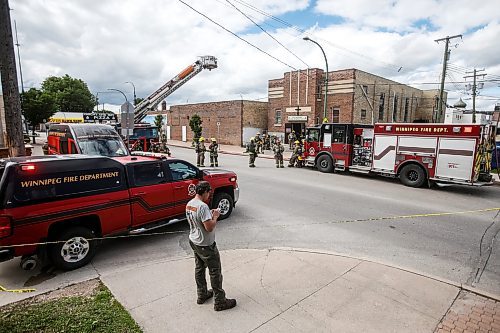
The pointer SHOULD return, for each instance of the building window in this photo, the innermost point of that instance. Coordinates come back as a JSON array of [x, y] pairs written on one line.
[[363, 114], [335, 115], [277, 117], [381, 106], [407, 106], [395, 109], [365, 89]]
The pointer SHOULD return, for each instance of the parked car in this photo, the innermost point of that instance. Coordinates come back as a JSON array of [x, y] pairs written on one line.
[[71, 199]]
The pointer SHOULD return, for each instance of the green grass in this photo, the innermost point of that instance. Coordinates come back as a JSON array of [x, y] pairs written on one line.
[[99, 312]]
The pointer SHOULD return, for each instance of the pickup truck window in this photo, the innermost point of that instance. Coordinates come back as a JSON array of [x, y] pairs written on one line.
[[149, 174], [31, 188], [182, 171]]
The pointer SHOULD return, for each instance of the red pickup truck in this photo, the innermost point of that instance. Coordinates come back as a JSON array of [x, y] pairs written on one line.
[[70, 199]]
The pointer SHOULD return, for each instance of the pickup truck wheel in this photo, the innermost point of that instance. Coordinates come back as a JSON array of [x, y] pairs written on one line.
[[412, 175], [74, 250], [325, 164], [224, 202]]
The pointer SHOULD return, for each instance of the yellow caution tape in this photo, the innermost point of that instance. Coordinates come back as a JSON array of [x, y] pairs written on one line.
[[27, 290]]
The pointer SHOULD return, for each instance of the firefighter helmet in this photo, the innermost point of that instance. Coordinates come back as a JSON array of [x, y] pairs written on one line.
[[297, 141], [202, 138], [213, 139]]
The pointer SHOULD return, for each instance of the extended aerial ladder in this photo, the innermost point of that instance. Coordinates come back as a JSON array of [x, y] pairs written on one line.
[[152, 101]]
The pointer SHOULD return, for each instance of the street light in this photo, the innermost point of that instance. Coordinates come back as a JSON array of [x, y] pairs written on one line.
[[128, 115], [326, 76], [134, 89]]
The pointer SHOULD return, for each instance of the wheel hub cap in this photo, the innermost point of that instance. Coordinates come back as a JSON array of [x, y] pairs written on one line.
[[75, 249], [224, 206]]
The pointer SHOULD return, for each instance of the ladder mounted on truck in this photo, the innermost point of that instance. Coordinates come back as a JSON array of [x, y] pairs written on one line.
[[152, 101]]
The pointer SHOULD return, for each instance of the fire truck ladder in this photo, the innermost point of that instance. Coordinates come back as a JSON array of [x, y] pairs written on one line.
[[152, 101]]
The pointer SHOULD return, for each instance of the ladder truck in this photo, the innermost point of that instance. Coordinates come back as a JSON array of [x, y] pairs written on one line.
[[145, 135], [152, 101]]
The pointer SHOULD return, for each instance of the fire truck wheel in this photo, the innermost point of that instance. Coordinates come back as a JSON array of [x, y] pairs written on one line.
[[224, 202], [412, 175], [74, 250], [325, 164]]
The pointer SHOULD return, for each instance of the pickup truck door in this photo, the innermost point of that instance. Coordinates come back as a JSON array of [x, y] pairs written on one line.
[[151, 193], [184, 179]]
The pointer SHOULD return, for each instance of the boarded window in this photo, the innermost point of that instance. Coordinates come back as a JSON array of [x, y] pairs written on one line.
[[381, 106]]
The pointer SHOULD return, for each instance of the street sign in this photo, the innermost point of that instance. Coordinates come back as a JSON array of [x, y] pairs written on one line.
[[99, 117], [127, 116]]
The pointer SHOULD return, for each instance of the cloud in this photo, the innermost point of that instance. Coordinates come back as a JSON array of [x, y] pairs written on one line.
[[106, 43]]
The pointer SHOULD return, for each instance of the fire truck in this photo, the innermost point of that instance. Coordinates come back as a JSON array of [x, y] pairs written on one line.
[[416, 153], [144, 135]]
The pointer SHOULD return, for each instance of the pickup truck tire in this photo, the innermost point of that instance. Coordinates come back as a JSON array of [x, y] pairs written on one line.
[[412, 175], [225, 203], [74, 250], [325, 164]]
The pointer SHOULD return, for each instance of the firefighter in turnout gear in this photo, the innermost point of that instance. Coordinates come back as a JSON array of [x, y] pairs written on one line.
[[291, 139], [214, 153], [297, 151], [258, 143], [252, 152], [278, 154], [200, 152]]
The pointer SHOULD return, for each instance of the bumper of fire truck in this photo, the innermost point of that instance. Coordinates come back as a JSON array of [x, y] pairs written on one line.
[[310, 161], [461, 182]]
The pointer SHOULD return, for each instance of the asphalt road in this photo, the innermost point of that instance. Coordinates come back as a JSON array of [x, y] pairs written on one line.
[[302, 208], [293, 207]]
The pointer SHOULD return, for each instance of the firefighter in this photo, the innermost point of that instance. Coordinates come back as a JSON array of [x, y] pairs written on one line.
[[200, 150], [295, 154], [278, 154], [258, 143], [214, 148], [267, 142], [252, 152], [291, 139], [300, 156]]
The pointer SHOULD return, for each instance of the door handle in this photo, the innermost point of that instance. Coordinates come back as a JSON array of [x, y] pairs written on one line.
[[139, 194], [178, 187]]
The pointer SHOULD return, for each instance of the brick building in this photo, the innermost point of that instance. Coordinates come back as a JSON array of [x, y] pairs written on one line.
[[231, 122], [297, 100]]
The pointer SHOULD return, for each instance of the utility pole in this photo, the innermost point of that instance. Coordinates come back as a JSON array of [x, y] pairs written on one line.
[[12, 102], [443, 73], [19, 59], [474, 89]]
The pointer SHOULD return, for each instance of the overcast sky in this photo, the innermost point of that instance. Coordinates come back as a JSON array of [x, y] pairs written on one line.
[[108, 42]]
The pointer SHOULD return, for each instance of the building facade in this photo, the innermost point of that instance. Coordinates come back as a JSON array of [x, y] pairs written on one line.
[[230, 122], [297, 100]]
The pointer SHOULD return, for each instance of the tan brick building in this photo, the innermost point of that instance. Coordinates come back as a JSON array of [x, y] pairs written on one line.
[[231, 122], [297, 100]]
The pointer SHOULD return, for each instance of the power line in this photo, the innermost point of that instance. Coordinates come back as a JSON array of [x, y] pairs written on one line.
[[232, 33], [260, 27]]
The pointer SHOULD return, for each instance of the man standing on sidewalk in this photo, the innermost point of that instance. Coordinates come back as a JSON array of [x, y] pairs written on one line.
[[202, 224]]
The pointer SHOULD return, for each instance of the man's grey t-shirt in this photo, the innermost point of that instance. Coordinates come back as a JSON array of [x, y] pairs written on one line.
[[198, 212]]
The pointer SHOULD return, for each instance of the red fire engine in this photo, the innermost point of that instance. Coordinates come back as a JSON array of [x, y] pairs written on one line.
[[416, 153]]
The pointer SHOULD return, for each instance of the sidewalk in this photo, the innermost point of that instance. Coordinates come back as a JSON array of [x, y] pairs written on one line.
[[291, 290], [232, 150]]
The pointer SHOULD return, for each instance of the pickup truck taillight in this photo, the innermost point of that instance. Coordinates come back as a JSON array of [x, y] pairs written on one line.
[[5, 226], [232, 179]]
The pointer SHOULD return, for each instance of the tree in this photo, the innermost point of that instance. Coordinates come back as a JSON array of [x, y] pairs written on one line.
[[159, 122], [38, 106], [71, 95], [138, 100], [195, 124]]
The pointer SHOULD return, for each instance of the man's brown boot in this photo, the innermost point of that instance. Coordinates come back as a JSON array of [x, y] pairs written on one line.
[[225, 305], [203, 299]]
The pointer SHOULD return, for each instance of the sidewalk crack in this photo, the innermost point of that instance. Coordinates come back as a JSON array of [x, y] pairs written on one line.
[[307, 296]]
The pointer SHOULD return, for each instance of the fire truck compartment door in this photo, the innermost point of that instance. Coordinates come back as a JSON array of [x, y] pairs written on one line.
[[455, 158], [414, 145], [384, 152]]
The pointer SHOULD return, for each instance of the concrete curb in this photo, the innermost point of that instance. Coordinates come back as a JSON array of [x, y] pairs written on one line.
[[402, 268]]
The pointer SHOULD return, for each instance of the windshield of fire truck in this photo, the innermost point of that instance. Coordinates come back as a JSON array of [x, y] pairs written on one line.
[[146, 132], [312, 135], [109, 146]]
